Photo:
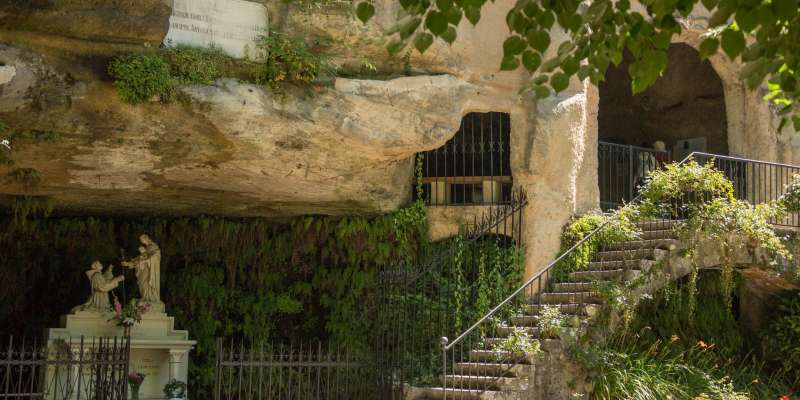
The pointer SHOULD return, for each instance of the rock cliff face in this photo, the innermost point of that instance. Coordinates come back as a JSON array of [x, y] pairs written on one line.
[[231, 148], [236, 149]]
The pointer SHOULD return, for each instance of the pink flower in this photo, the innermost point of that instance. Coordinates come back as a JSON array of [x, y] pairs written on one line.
[[117, 307]]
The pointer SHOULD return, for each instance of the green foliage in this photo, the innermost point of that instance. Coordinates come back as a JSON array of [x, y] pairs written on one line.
[[550, 322], [195, 65], [790, 199], [35, 136], [782, 340], [25, 207], [27, 177], [141, 77], [289, 60], [621, 226], [703, 195], [518, 344], [762, 34], [667, 188], [668, 352], [225, 278]]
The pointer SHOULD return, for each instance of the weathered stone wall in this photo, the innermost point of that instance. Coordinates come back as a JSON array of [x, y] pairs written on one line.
[[235, 149]]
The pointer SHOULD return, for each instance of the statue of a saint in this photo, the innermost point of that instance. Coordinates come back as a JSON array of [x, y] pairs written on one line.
[[148, 269], [101, 284]]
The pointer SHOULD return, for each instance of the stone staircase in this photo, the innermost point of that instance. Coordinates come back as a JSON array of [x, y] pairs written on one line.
[[481, 376]]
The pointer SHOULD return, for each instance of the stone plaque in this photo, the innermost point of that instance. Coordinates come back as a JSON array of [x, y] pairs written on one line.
[[232, 25]]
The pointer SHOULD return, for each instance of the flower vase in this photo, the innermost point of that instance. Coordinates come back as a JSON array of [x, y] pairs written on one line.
[[126, 331], [134, 392]]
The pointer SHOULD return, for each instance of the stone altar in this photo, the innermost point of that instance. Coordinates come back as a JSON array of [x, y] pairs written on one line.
[[158, 350], [231, 25]]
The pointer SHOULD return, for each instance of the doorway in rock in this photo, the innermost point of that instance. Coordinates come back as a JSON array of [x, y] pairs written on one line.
[[684, 111]]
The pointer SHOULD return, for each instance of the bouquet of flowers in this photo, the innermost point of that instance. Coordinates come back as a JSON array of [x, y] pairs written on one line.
[[130, 314], [135, 380]]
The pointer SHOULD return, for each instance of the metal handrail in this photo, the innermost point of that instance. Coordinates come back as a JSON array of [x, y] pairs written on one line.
[[447, 345]]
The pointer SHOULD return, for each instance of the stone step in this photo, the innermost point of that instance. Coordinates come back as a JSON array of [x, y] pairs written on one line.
[[505, 330], [573, 308], [475, 382], [573, 287], [657, 224], [591, 276], [486, 369], [524, 320], [568, 297], [609, 265], [615, 255], [457, 394], [664, 244], [659, 234], [497, 356]]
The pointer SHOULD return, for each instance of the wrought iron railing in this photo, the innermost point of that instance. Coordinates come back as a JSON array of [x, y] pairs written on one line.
[[472, 168], [755, 181], [293, 371], [413, 304], [621, 170], [472, 363], [84, 369], [423, 301]]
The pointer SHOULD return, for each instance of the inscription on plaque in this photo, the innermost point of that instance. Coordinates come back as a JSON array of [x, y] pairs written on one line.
[[231, 25]]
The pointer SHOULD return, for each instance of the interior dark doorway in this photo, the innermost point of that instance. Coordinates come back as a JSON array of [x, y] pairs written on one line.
[[684, 109]]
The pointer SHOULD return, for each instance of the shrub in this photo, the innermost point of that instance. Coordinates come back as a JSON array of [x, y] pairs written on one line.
[[791, 196], [551, 320], [140, 77], [518, 345], [783, 338], [195, 65], [289, 60]]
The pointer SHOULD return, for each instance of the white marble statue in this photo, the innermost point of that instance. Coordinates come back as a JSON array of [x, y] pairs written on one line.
[[101, 284], [148, 269]]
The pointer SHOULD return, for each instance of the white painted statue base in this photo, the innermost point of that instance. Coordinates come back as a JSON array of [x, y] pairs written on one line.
[[158, 350]]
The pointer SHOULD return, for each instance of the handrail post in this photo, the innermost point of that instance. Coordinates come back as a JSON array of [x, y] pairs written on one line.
[[444, 341]]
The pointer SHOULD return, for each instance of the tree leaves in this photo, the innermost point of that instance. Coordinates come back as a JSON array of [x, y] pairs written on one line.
[[422, 41], [531, 60], [598, 32], [732, 42], [708, 47], [784, 9], [365, 11], [513, 45], [436, 23]]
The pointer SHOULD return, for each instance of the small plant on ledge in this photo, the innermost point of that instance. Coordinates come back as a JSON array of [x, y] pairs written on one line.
[[175, 389], [517, 346]]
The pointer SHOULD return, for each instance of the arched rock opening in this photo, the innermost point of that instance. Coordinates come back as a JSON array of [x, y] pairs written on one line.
[[686, 106]]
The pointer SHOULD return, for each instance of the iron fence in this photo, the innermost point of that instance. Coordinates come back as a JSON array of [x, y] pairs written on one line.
[[622, 169], [294, 371], [414, 302], [755, 181], [94, 369], [472, 168]]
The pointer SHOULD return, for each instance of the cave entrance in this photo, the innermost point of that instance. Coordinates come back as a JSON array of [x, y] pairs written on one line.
[[684, 111]]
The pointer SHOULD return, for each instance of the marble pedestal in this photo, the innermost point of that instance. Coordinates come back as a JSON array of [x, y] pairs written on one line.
[[157, 348]]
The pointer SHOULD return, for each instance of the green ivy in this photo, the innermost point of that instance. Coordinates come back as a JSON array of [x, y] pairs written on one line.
[[141, 77], [289, 60], [782, 338]]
